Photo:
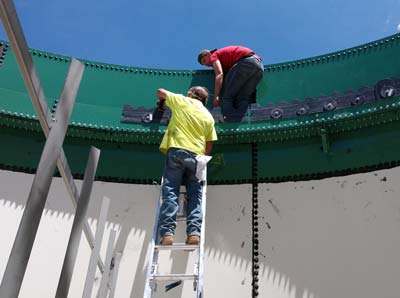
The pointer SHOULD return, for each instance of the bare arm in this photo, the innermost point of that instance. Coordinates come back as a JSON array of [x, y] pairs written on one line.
[[219, 77], [209, 145]]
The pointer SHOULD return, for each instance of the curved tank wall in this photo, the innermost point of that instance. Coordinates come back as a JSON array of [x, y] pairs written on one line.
[[335, 237], [317, 117]]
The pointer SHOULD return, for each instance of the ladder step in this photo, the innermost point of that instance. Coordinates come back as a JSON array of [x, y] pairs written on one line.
[[168, 277], [181, 219], [178, 246]]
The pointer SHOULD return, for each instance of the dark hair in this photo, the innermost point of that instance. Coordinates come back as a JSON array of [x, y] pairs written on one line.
[[200, 93], [201, 55], [204, 53]]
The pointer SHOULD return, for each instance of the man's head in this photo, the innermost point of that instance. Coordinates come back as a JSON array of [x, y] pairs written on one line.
[[204, 57], [200, 93]]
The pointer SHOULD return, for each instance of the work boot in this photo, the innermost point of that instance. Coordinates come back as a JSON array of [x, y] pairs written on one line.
[[167, 240], [193, 239]]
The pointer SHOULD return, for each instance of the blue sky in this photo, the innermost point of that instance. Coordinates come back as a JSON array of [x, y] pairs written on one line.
[[168, 34]]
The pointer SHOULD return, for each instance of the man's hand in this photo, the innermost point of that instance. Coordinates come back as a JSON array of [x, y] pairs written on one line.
[[162, 96], [216, 101]]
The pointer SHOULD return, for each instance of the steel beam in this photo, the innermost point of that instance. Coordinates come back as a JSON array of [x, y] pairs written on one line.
[[105, 280], [114, 273], [20, 48], [23, 243], [101, 224], [77, 226]]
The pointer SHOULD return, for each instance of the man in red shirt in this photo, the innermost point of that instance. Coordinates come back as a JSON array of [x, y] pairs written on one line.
[[240, 69]]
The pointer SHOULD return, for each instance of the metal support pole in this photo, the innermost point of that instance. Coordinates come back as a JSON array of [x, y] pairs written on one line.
[[20, 48], [106, 274], [114, 273], [76, 231], [20, 253], [90, 276]]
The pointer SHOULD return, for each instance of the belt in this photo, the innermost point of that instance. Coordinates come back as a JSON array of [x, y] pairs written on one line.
[[252, 55]]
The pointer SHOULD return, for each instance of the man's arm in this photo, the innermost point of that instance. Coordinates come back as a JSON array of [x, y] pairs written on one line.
[[209, 145], [219, 76]]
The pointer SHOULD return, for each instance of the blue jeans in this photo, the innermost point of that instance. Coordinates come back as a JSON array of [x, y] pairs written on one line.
[[180, 165], [240, 84]]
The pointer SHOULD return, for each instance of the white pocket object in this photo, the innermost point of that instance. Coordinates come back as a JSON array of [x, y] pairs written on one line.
[[201, 169]]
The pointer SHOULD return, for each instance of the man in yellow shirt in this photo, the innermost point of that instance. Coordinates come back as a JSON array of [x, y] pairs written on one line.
[[190, 132]]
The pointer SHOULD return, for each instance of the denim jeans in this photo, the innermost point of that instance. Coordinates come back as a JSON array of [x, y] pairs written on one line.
[[240, 84], [180, 166]]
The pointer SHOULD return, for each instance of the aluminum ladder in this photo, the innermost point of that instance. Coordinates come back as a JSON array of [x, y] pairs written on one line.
[[152, 276]]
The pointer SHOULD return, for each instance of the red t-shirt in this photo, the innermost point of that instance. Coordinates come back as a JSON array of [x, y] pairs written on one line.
[[228, 56]]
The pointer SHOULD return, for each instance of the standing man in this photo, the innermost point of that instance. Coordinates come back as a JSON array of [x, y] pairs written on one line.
[[190, 132], [243, 71]]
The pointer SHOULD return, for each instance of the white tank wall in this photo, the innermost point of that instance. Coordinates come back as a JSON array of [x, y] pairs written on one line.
[[337, 237]]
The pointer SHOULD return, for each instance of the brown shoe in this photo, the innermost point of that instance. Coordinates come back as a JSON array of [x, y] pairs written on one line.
[[193, 239], [167, 240]]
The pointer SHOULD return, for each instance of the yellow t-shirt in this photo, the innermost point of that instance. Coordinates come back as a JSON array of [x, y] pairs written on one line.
[[190, 126]]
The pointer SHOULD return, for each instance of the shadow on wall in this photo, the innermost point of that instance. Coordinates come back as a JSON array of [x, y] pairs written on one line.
[[336, 237]]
